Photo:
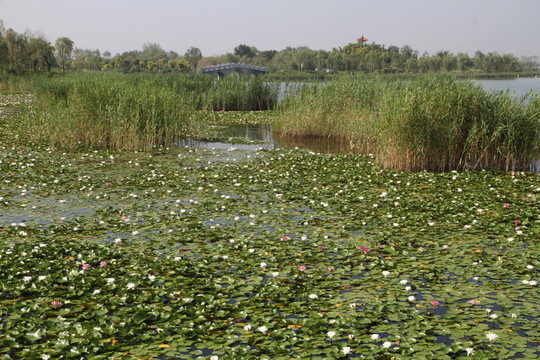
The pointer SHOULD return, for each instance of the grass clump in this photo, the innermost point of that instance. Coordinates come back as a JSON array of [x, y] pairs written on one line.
[[427, 123]]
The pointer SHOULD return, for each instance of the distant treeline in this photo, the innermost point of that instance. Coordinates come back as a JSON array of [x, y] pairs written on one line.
[[30, 52]]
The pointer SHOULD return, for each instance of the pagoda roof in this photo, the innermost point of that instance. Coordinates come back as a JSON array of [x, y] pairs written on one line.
[[362, 39]]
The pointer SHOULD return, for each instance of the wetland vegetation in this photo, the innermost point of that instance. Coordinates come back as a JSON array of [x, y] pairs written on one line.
[[173, 253], [435, 123]]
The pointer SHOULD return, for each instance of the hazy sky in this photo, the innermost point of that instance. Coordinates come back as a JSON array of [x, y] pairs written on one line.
[[217, 26]]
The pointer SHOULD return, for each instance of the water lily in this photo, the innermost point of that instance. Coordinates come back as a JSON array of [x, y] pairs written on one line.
[[386, 344], [491, 336], [262, 329], [346, 350], [469, 350], [331, 334]]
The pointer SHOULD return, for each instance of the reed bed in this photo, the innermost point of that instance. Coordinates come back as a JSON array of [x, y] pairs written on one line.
[[136, 111], [435, 123]]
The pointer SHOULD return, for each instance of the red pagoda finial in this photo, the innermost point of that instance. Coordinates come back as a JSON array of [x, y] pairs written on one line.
[[362, 40]]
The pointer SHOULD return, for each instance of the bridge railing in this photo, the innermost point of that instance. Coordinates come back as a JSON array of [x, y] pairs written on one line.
[[232, 66]]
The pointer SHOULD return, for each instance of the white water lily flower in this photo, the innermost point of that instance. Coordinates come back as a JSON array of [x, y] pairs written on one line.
[[331, 334], [491, 336], [346, 350], [386, 273], [247, 327], [262, 329], [469, 351], [386, 344], [130, 286], [375, 336], [313, 296]]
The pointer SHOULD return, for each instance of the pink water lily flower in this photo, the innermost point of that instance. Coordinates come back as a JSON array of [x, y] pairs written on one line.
[[302, 268], [86, 266], [434, 303], [56, 303], [103, 263]]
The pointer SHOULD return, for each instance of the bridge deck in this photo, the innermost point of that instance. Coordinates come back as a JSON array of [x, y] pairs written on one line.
[[235, 66]]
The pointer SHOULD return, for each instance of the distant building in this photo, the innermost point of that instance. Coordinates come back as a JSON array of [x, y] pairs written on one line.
[[362, 40]]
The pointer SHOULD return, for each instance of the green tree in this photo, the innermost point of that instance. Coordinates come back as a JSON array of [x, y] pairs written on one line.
[[307, 59], [268, 54], [41, 53], [64, 49], [3, 46], [16, 45], [243, 50], [449, 62], [464, 62], [152, 51], [192, 56], [479, 59]]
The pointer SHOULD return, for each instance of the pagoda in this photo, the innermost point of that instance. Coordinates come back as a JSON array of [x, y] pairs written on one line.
[[362, 40]]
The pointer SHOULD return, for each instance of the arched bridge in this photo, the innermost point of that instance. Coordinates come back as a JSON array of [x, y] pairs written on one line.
[[225, 69]]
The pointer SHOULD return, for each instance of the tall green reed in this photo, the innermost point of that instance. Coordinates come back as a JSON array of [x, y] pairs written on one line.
[[434, 123], [137, 110]]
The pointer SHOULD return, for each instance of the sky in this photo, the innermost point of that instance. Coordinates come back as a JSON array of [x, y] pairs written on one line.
[[216, 27]]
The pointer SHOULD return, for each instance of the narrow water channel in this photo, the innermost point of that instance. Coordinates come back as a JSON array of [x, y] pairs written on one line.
[[253, 137]]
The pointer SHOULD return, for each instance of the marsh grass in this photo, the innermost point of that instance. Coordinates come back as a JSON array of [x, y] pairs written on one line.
[[138, 111], [434, 123]]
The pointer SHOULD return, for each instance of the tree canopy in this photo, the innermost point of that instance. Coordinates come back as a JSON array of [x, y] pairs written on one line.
[[34, 52]]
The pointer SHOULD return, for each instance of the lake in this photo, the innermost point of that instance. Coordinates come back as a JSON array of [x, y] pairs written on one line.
[[519, 86]]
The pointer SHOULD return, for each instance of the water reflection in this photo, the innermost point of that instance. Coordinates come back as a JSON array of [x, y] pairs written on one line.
[[240, 136]]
